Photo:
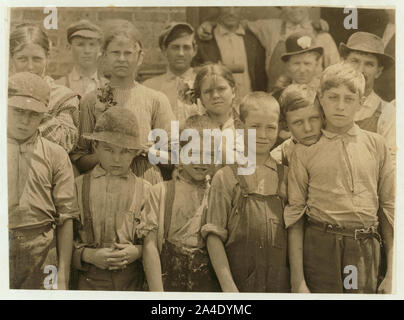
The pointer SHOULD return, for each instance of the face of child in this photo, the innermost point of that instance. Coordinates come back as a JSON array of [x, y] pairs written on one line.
[[22, 123], [368, 65], [122, 57], [340, 105], [113, 159], [266, 125], [295, 14], [31, 58], [85, 51], [217, 95], [198, 172], [305, 124], [179, 53], [302, 67]]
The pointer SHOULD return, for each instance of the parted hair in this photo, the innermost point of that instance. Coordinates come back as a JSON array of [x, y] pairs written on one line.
[[119, 27], [28, 33]]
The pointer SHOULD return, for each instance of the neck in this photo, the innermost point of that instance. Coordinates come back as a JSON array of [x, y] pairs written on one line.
[[261, 158], [339, 130], [231, 28], [86, 71], [126, 82], [368, 91], [220, 119], [178, 73]]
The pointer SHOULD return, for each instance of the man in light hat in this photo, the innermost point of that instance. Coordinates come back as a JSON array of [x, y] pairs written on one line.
[[177, 43], [110, 198], [302, 58], [84, 42], [41, 198], [365, 52]]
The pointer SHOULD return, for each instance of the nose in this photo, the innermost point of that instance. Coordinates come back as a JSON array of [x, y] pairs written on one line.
[[181, 51], [307, 126], [116, 157], [25, 119], [261, 133], [30, 65], [121, 57], [360, 67], [340, 105], [87, 48]]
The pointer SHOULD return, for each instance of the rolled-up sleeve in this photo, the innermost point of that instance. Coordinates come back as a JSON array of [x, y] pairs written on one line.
[[149, 216], [297, 189]]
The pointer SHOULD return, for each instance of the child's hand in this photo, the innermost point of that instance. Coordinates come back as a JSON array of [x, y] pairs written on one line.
[[126, 254], [104, 258], [386, 285]]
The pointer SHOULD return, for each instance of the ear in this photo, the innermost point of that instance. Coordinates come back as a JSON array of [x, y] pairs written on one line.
[[362, 100], [379, 71], [195, 50], [140, 59]]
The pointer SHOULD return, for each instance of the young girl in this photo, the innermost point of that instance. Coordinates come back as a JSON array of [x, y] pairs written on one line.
[[29, 52], [122, 54]]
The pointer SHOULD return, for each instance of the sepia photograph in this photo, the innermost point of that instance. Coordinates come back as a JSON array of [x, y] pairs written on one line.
[[204, 149]]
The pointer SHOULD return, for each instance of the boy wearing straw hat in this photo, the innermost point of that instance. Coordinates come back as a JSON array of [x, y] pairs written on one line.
[[365, 52], [41, 199], [110, 198]]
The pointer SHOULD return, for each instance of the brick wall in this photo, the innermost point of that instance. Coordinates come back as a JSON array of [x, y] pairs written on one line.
[[148, 20]]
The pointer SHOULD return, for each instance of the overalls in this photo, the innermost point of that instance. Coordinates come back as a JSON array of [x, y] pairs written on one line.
[[130, 278], [370, 124], [258, 255], [184, 269]]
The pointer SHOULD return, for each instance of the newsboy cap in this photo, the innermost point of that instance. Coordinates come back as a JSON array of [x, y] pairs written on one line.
[[118, 126], [169, 28], [368, 43], [84, 29], [28, 91], [300, 42]]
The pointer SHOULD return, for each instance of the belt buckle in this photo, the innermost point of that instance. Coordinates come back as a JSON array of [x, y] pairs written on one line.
[[363, 231]]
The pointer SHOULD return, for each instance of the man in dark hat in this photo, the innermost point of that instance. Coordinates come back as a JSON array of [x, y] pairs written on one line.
[[84, 42], [365, 52], [41, 197]]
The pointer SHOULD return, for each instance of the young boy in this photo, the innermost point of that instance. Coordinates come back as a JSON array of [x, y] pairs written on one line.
[[84, 42], [246, 237], [304, 117], [177, 43], [110, 199], [365, 52], [41, 199], [175, 256], [337, 185]]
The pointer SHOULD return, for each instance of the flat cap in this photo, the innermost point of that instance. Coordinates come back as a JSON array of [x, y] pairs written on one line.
[[84, 29], [169, 28]]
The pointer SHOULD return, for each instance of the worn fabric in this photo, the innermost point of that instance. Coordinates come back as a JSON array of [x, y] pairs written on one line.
[[252, 230], [342, 179], [152, 110], [326, 255], [171, 85], [40, 184], [283, 153], [81, 84], [386, 121], [62, 121], [208, 51]]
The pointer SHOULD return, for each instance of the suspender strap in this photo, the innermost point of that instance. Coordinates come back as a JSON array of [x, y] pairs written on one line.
[[281, 172], [168, 206], [88, 220]]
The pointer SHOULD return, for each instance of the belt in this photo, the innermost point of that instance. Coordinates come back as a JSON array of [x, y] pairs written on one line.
[[360, 233]]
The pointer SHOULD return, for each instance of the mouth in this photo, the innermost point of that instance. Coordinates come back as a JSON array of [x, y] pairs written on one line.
[[310, 137], [339, 116]]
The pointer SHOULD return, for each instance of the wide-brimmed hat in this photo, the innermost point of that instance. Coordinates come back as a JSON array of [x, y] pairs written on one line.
[[117, 126], [84, 29], [298, 43], [28, 91], [368, 43], [169, 28]]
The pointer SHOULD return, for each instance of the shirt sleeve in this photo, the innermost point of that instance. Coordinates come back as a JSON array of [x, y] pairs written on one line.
[[87, 124], [387, 128], [298, 180], [219, 206], [386, 184], [61, 127]]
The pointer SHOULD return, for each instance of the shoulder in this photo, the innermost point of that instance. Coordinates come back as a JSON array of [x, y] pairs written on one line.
[[150, 93], [61, 81], [224, 177], [56, 153], [155, 82]]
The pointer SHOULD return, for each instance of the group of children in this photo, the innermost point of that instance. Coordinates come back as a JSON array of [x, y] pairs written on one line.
[[317, 202]]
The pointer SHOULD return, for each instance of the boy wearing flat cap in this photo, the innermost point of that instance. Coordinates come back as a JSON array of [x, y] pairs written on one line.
[[177, 43], [84, 42], [110, 198], [365, 52], [41, 198]]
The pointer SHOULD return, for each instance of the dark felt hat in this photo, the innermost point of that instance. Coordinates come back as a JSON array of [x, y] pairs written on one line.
[[28, 91], [368, 43], [117, 126], [298, 43], [84, 29], [169, 28]]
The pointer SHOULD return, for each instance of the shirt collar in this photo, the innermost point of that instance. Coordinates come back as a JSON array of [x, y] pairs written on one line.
[[270, 163], [372, 101], [187, 75], [76, 76], [98, 172], [222, 30], [351, 132], [26, 144]]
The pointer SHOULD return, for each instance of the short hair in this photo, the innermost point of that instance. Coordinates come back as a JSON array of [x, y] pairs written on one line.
[[342, 74], [257, 101], [297, 96], [178, 32], [198, 123], [212, 69], [118, 27], [27, 33]]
